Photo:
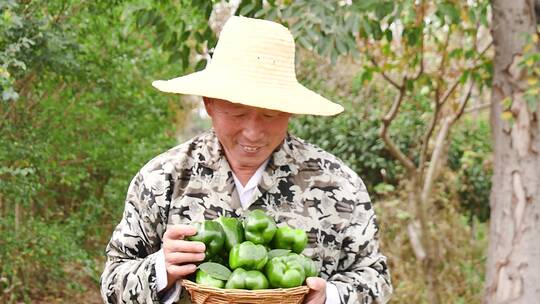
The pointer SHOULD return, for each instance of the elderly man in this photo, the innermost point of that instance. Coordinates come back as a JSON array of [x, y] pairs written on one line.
[[247, 161]]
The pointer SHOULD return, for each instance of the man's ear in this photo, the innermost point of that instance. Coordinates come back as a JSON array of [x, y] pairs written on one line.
[[208, 105]]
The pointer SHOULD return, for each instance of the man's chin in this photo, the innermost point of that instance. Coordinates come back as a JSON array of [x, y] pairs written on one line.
[[254, 161]]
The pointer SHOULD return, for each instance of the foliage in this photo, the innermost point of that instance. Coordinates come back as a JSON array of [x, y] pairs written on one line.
[[79, 118], [179, 28], [470, 157], [39, 256], [354, 137]]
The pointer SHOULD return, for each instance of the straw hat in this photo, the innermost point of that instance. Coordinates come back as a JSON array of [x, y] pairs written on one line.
[[253, 64]]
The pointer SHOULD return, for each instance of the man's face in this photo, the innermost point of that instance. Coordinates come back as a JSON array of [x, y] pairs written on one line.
[[248, 134]]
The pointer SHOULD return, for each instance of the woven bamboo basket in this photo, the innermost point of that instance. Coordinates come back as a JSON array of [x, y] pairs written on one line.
[[201, 294]]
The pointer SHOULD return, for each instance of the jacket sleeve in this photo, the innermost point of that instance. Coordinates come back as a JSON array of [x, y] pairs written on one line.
[[362, 274], [129, 275]]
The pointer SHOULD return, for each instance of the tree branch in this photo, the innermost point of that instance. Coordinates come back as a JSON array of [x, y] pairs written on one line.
[[486, 48], [449, 92], [435, 156], [427, 136], [436, 111], [383, 74], [442, 66], [464, 101], [477, 108], [420, 23], [387, 120], [416, 244], [439, 144]]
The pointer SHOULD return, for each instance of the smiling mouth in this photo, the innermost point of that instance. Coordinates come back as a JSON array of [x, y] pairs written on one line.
[[250, 149]]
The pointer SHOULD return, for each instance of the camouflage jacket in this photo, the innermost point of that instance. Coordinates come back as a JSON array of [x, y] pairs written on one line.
[[302, 186]]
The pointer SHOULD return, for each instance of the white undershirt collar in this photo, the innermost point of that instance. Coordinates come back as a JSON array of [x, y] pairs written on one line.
[[246, 192]]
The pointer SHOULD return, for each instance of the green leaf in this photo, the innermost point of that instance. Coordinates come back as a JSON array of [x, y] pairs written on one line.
[[471, 53], [450, 11], [185, 56], [484, 15], [384, 9], [506, 102], [304, 42], [171, 44], [412, 34], [384, 188], [333, 55], [175, 57], [366, 27], [201, 64], [409, 85], [456, 53], [185, 35], [277, 253], [199, 37], [162, 34], [532, 102], [208, 33], [146, 17], [352, 23], [366, 76], [376, 29], [341, 47], [313, 35], [463, 78], [215, 270], [326, 46], [386, 49], [365, 5], [327, 5], [388, 35], [247, 9]]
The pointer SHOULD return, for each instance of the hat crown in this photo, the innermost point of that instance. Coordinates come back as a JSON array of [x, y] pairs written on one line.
[[257, 49]]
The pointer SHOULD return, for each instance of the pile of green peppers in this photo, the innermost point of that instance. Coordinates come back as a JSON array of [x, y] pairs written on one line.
[[252, 254]]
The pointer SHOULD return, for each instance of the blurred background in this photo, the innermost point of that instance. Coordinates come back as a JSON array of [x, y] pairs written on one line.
[[79, 117]]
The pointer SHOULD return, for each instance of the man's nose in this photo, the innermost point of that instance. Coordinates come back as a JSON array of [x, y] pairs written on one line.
[[254, 127]]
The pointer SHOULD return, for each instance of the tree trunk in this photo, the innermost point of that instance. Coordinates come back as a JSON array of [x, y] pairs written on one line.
[[513, 265], [421, 239]]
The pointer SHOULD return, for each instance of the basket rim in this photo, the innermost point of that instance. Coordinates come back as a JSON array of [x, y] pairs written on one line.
[[190, 285]]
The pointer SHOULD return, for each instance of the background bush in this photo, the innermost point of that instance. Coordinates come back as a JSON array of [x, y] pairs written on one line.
[[80, 120]]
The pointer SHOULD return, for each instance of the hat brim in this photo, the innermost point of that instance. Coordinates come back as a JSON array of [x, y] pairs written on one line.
[[290, 97]]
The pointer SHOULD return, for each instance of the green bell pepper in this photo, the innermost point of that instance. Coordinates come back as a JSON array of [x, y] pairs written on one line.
[[289, 238], [234, 232], [212, 235], [284, 272], [248, 256], [259, 228], [244, 279], [310, 268], [203, 278]]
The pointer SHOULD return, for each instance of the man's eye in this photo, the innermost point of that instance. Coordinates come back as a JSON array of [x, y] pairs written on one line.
[[238, 115], [270, 115]]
